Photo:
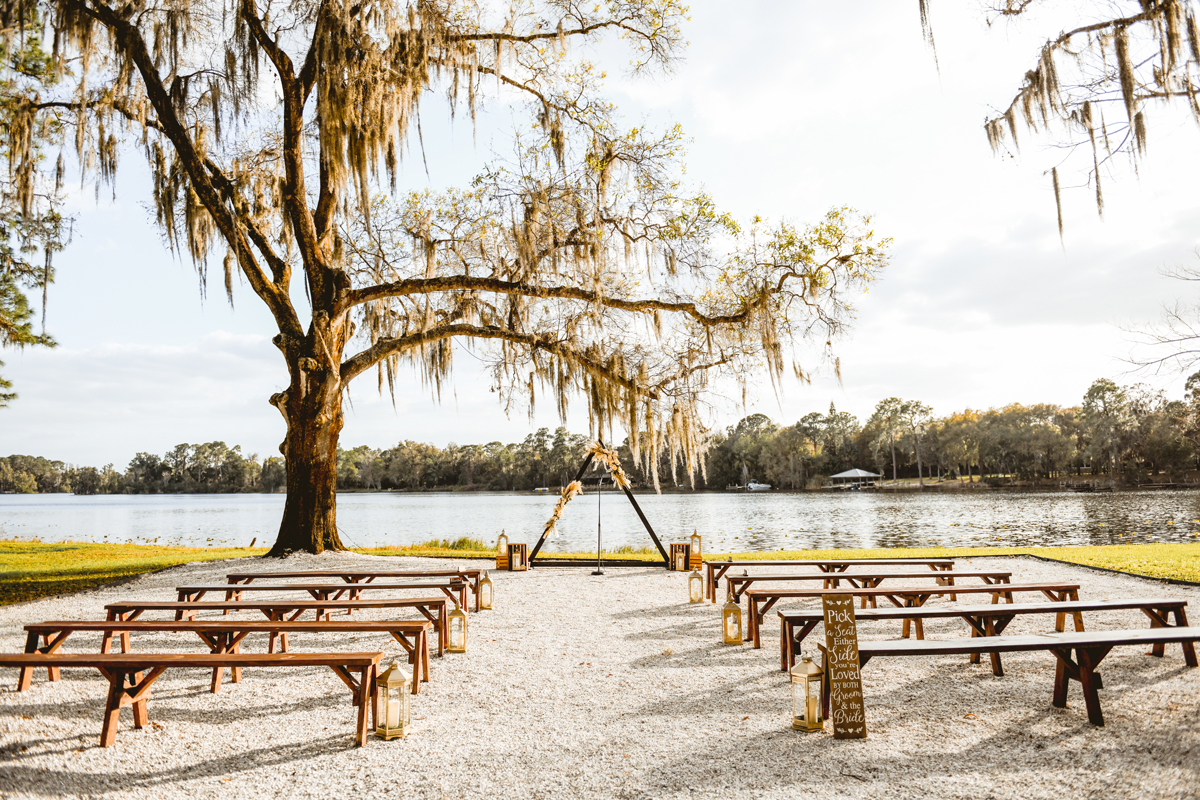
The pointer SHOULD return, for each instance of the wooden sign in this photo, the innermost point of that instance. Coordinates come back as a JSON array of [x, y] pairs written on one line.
[[842, 673]]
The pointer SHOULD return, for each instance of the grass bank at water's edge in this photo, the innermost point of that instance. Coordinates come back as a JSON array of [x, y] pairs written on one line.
[[29, 570]]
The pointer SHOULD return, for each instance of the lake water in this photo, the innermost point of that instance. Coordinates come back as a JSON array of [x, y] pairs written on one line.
[[731, 521]]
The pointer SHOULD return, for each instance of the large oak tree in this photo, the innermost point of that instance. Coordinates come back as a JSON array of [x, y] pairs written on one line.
[[577, 264]]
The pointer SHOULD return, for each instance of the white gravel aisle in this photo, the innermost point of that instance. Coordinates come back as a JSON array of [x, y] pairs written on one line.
[[606, 687]]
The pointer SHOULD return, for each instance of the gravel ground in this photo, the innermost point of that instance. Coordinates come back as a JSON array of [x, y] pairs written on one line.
[[578, 686]]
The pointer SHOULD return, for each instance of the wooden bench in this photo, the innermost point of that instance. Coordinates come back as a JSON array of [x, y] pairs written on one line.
[[1089, 648], [739, 584], [472, 576], [130, 675], [453, 588], [225, 636], [760, 601], [717, 569], [433, 609], [985, 620]]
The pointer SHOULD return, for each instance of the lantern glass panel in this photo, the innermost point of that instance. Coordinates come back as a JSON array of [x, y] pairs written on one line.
[[458, 631], [393, 714], [732, 617]]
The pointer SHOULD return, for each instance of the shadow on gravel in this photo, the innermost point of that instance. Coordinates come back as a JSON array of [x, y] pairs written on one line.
[[40, 782]]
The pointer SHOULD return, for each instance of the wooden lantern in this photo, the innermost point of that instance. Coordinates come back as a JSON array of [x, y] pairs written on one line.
[[806, 696], [731, 621], [487, 592], [393, 709], [502, 551], [695, 560], [695, 587], [518, 556], [456, 628]]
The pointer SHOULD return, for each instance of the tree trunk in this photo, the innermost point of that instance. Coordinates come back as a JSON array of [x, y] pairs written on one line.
[[893, 437], [312, 406], [917, 442]]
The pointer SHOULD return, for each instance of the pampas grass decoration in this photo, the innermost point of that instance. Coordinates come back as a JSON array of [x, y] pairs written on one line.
[[573, 488]]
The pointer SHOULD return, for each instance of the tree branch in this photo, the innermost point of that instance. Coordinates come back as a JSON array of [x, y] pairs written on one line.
[[421, 286], [129, 38]]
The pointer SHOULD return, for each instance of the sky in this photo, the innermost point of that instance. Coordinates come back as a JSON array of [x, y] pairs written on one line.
[[792, 108]]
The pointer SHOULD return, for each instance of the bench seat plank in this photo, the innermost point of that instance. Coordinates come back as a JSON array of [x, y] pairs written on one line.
[[472, 576], [455, 589], [739, 584], [717, 569], [433, 609], [1088, 647], [224, 636], [903, 597], [130, 676], [985, 620]]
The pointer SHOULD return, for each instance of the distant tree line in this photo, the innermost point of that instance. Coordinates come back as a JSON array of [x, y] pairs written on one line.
[[187, 469], [1122, 433]]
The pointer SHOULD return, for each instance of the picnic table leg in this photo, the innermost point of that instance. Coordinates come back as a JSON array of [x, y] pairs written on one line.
[[997, 668], [112, 708], [1088, 659], [235, 673], [783, 644], [1189, 648], [366, 682], [26, 676], [1062, 677], [218, 643], [1156, 621], [425, 656], [752, 608]]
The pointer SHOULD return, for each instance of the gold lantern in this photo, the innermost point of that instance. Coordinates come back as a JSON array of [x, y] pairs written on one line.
[[502, 551], [695, 587], [731, 621], [456, 622], [681, 558], [695, 544], [486, 591], [806, 696], [393, 709]]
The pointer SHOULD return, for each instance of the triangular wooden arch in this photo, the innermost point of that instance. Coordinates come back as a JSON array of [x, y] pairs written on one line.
[[578, 476]]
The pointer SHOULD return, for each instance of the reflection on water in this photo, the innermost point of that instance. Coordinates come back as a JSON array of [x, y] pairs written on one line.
[[727, 521]]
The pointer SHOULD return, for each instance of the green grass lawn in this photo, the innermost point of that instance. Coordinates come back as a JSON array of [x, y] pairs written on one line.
[[29, 570]]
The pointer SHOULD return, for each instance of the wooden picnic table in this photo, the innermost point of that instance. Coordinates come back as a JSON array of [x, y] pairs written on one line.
[[902, 597], [453, 588], [716, 569], [433, 609], [226, 636], [738, 584], [472, 576], [984, 620], [130, 675], [1089, 650]]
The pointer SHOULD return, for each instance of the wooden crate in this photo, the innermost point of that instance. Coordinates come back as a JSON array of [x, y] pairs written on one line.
[[518, 556], [680, 551]]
